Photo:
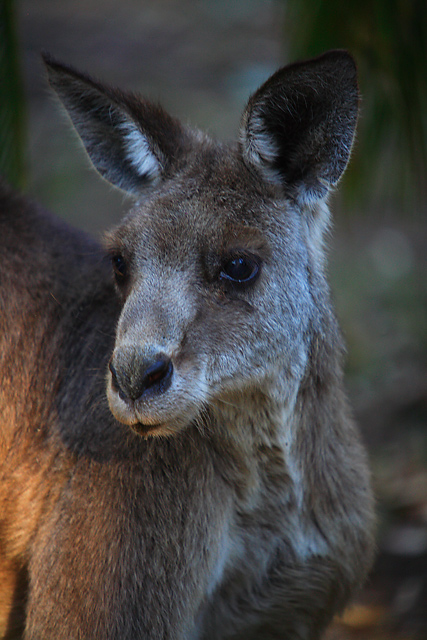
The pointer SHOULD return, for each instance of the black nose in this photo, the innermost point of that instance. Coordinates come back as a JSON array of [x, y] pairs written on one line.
[[134, 376]]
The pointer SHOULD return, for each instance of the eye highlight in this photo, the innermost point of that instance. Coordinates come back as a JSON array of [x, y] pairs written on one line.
[[240, 270]]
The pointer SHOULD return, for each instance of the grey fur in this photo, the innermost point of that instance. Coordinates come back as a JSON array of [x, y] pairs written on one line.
[[224, 493]]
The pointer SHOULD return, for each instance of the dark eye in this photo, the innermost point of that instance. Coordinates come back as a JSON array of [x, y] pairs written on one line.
[[119, 267], [240, 269]]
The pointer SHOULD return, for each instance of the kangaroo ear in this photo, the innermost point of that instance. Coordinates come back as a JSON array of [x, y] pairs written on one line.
[[298, 128], [131, 142]]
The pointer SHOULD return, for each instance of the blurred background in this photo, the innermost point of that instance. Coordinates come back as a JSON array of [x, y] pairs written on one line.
[[201, 59]]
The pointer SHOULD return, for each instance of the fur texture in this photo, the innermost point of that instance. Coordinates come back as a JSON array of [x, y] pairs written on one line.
[[178, 459]]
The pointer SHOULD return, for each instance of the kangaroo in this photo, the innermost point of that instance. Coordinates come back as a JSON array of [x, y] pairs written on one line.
[[178, 458]]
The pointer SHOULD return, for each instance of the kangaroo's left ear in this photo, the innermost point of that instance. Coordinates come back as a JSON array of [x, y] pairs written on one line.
[[298, 128]]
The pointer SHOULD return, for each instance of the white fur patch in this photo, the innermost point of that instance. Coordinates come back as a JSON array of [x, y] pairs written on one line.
[[306, 539], [259, 147], [139, 151]]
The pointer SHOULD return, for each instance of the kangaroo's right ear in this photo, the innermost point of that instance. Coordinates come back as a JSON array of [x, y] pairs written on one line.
[[133, 143]]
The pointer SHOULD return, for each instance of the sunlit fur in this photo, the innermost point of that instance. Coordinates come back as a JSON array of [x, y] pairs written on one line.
[[233, 501]]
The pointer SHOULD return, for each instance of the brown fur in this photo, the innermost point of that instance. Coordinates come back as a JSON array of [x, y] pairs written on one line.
[[219, 488]]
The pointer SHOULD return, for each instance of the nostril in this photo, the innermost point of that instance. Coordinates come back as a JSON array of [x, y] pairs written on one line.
[[158, 375], [133, 376], [113, 373], [114, 381]]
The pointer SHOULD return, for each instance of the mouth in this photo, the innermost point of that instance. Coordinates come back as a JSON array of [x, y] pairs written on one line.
[[150, 417], [149, 430]]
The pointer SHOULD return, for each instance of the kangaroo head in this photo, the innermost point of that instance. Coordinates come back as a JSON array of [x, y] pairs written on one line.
[[219, 262]]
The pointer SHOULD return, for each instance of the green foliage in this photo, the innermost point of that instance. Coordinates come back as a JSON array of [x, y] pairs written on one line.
[[12, 113], [388, 38]]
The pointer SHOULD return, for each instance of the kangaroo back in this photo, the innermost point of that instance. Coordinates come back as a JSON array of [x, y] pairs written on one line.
[[178, 457]]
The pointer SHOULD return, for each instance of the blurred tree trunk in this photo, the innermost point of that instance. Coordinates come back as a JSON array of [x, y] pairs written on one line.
[[12, 112]]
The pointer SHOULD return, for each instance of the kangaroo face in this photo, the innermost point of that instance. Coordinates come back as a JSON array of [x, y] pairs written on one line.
[[216, 263], [204, 311]]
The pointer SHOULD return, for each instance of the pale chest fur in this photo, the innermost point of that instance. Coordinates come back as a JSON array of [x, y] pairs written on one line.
[[270, 527]]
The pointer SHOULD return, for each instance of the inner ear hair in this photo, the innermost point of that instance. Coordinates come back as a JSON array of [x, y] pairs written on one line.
[[298, 128]]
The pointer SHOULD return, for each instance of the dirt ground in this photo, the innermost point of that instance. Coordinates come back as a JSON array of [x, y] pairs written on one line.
[[202, 59]]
